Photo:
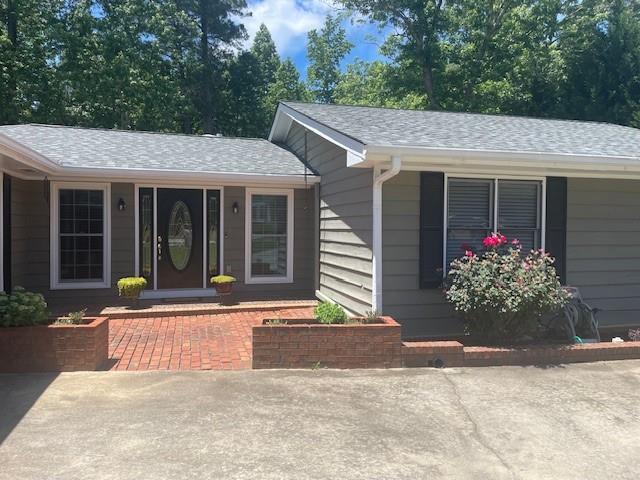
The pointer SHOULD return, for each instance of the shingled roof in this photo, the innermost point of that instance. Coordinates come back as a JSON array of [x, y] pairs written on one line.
[[470, 131], [121, 149]]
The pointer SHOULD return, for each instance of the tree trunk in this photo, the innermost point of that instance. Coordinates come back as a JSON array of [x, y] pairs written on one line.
[[12, 81], [427, 82], [206, 83]]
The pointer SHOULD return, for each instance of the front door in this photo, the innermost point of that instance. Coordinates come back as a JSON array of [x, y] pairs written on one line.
[[179, 229]]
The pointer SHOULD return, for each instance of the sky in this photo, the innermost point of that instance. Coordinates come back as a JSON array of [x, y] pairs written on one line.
[[290, 20]]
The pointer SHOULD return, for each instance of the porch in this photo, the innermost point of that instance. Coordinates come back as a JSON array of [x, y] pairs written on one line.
[[193, 336]]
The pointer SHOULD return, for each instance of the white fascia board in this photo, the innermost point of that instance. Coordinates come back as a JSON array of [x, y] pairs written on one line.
[[145, 175], [29, 157], [421, 158], [285, 114]]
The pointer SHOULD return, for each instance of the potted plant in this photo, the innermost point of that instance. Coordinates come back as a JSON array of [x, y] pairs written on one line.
[[501, 293], [131, 287], [223, 284]]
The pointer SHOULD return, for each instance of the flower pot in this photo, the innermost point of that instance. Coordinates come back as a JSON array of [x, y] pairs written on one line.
[[224, 288]]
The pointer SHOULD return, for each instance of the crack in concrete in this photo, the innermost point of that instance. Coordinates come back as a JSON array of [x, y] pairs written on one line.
[[476, 429]]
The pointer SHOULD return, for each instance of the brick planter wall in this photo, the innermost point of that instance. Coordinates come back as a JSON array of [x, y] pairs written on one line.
[[454, 354], [550, 354], [54, 348], [432, 354], [301, 344]]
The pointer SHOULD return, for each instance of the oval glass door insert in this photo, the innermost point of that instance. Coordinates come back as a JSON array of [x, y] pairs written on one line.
[[180, 235]]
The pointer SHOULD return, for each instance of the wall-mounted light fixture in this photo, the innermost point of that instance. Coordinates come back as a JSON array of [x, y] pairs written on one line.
[[235, 208], [122, 205]]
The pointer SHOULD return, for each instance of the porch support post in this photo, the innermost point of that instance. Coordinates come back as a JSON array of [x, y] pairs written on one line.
[[376, 280]]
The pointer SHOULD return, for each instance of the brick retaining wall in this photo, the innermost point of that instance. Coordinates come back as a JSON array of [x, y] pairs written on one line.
[[301, 344], [54, 348], [455, 354]]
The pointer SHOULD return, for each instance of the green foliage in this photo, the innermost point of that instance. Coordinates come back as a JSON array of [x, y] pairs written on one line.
[[72, 318], [276, 321], [330, 313], [325, 50], [372, 316], [22, 308], [131, 287], [222, 279], [180, 65], [286, 86], [501, 294]]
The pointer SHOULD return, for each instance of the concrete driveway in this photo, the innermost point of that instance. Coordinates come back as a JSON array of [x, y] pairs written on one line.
[[573, 422]]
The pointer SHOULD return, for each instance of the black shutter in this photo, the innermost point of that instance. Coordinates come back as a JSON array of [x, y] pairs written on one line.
[[6, 218], [431, 228], [556, 224]]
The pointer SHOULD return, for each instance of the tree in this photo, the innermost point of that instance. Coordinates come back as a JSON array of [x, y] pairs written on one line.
[[199, 37], [112, 68], [419, 25], [27, 60], [501, 57], [287, 86], [379, 84], [600, 46], [264, 50], [245, 104], [325, 51]]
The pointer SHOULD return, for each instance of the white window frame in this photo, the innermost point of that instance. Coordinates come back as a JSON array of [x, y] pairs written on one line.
[[56, 282], [249, 193], [495, 178]]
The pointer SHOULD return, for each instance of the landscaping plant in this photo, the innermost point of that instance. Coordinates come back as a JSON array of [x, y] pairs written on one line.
[[330, 313], [22, 308], [72, 318], [223, 284], [131, 287], [501, 293]]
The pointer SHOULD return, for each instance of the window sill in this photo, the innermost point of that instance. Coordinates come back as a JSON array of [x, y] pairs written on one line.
[[267, 280], [79, 285]]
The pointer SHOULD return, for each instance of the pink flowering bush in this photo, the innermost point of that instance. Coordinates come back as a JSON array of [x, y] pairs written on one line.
[[500, 293]]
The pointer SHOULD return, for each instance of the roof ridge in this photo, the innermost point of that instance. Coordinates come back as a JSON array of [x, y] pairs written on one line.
[[451, 112], [149, 132]]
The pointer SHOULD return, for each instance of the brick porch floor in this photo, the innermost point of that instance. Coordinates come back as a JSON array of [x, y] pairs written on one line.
[[194, 342]]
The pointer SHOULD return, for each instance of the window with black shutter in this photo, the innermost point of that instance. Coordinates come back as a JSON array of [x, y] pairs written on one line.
[[474, 207]]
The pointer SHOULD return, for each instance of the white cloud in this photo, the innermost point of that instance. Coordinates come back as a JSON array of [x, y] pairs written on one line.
[[287, 20]]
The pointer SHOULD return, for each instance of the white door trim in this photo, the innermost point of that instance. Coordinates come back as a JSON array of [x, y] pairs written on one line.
[[155, 187]]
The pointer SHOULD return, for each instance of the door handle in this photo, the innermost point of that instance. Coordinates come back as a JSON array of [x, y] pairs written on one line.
[[159, 247]]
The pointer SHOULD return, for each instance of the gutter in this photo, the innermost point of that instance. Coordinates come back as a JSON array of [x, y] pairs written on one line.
[[462, 155], [378, 180]]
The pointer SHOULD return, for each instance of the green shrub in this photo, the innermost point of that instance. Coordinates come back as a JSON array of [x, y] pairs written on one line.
[[72, 318], [131, 287], [502, 294], [372, 316], [22, 308], [222, 279], [330, 313]]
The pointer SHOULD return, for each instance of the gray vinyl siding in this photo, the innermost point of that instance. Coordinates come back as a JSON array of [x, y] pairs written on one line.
[[30, 259], [603, 254], [420, 311], [303, 247], [30, 245], [603, 246], [346, 198]]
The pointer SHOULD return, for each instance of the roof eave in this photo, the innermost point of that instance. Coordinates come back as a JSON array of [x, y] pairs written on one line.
[[420, 157], [285, 116]]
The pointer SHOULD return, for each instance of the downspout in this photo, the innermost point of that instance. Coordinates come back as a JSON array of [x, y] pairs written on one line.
[[378, 180]]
